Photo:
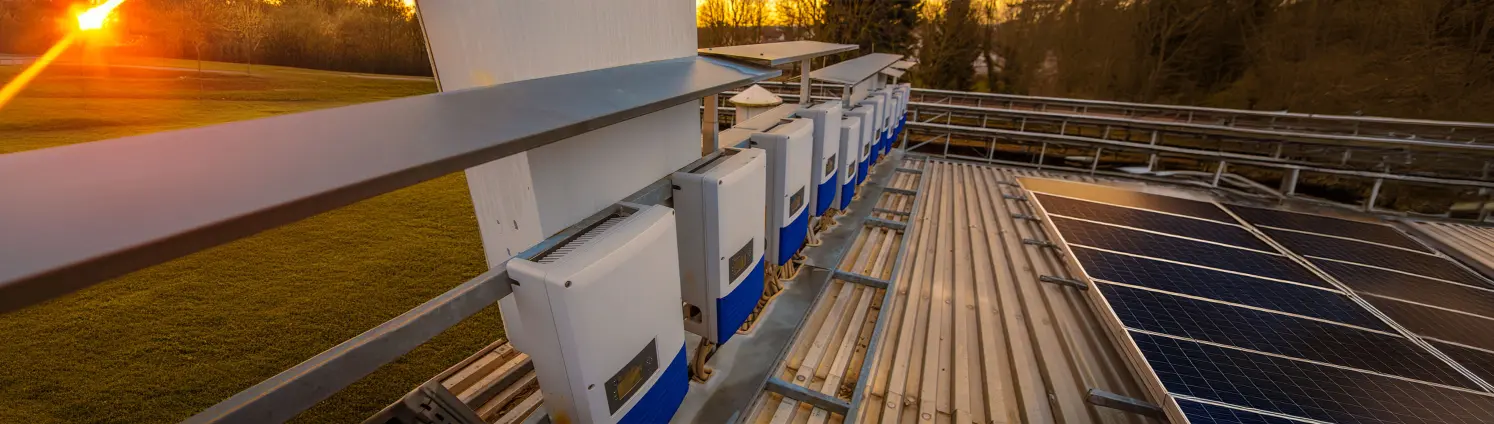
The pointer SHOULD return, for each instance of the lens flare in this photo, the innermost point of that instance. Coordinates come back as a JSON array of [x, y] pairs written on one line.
[[94, 18]]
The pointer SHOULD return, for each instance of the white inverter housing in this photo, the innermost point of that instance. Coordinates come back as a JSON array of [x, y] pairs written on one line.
[[849, 162], [825, 154], [788, 147], [718, 209], [903, 92], [602, 321], [866, 115], [890, 111], [883, 105]]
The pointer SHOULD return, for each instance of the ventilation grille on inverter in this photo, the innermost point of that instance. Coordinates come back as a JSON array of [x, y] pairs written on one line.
[[579, 240]]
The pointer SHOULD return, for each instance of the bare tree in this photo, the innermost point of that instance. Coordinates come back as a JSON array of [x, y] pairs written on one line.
[[801, 17], [247, 20]]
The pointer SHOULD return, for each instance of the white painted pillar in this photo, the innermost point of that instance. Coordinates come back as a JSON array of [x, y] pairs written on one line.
[[522, 199]]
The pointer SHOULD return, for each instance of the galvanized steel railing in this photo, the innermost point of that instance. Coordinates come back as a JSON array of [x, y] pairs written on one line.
[[93, 211], [1415, 170]]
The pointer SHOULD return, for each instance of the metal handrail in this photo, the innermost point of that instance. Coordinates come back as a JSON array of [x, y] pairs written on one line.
[[1444, 126], [93, 211]]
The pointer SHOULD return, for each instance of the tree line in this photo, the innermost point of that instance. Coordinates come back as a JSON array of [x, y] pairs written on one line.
[[1414, 58], [376, 36]]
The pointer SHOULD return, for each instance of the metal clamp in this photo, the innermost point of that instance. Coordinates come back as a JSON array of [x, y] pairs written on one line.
[[1040, 243], [864, 280], [803, 394], [879, 222], [910, 170], [896, 190], [1063, 281], [1014, 197], [1026, 217], [1117, 402], [898, 213]]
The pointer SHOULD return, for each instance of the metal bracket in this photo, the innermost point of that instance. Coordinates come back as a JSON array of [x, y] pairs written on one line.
[[879, 222], [803, 394], [861, 279], [910, 170], [896, 190], [898, 213], [1117, 402], [1040, 243], [1063, 281], [1014, 197], [1026, 217]]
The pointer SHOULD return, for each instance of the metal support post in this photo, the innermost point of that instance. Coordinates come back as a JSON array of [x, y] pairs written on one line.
[[709, 127], [1041, 155], [804, 82], [1369, 204], [1219, 172], [1095, 162], [1289, 183]]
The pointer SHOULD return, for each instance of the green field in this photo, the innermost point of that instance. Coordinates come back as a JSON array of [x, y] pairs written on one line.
[[161, 344]]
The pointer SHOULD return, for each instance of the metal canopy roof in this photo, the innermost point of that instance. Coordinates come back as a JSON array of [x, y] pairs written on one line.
[[893, 72], [855, 70], [779, 53], [903, 64], [148, 199]]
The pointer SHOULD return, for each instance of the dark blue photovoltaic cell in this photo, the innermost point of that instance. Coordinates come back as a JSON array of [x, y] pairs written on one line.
[[1481, 363], [1416, 289], [1203, 413], [1186, 251], [1116, 196], [1365, 253], [1304, 389], [1377, 233], [1186, 227], [1223, 286], [1279, 334], [1437, 323]]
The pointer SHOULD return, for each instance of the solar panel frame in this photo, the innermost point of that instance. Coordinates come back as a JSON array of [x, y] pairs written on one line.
[[1279, 334], [1297, 299], [1379, 282], [1183, 250], [1195, 228], [1479, 362], [1439, 324], [1368, 231], [1123, 197], [1304, 389], [1313, 245], [1203, 413], [1409, 400]]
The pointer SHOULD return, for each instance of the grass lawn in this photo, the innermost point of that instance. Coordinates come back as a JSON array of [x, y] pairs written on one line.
[[161, 344]]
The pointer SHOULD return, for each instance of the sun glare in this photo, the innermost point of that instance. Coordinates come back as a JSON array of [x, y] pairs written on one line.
[[94, 18]]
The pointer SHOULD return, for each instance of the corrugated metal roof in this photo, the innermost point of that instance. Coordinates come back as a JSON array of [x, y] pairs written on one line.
[[972, 336], [1471, 244]]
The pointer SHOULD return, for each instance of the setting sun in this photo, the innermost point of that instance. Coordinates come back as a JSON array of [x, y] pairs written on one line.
[[94, 18]]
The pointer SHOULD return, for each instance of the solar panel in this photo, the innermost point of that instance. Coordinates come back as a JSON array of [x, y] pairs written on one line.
[[1183, 250], [1365, 253], [1115, 196], [1328, 225], [1280, 334], [1437, 323], [1203, 413], [1147, 220], [1304, 389], [1226, 287], [1479, 362], [1416, 289], [1244, 329]]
